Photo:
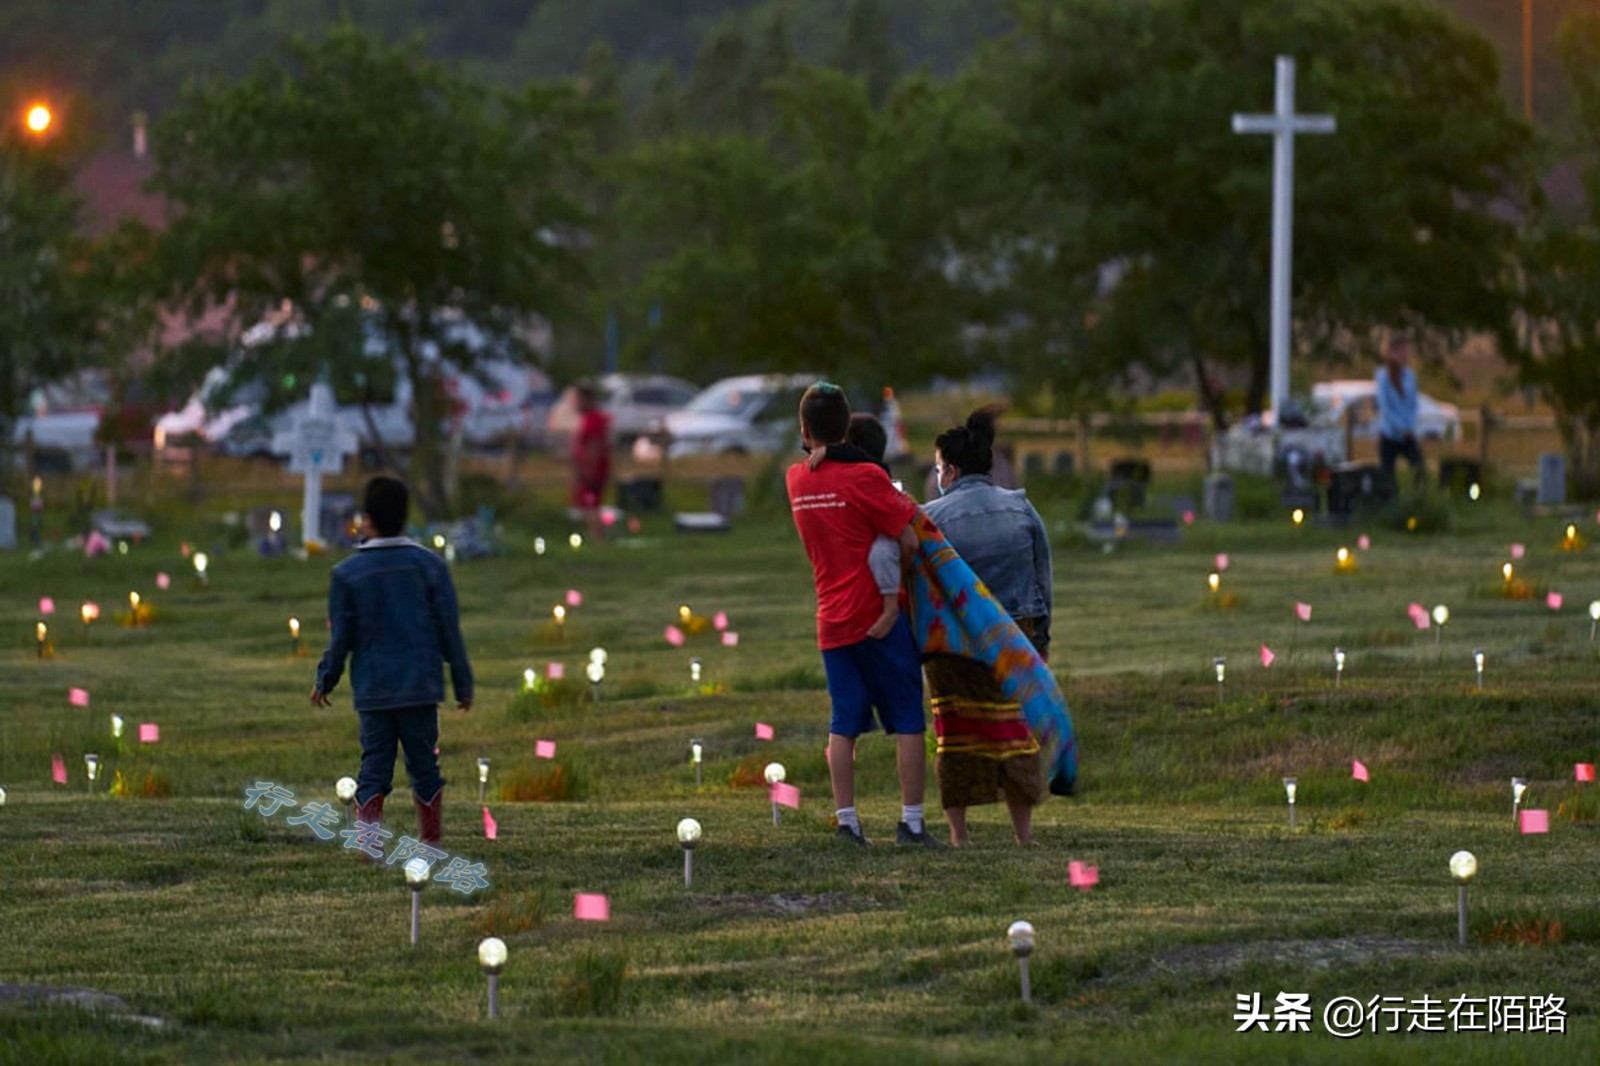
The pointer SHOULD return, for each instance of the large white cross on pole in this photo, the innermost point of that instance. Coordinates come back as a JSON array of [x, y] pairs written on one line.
[[1282, 124], [316, 444]]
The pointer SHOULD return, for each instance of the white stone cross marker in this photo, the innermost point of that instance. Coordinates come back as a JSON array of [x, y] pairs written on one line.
[[316, 444], [1282, 124]]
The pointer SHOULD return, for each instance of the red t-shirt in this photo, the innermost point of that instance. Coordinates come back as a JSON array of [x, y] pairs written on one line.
[[839, 508]]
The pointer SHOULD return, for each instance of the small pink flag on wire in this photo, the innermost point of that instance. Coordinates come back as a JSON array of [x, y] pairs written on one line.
[[491, 828], [555, 671], [1082, 875], [47, 605], [1518, 551], [58, 769], [1358, 770], [674, 636], [1553, 601], [1221, 561], [1583, 771], [163, 581], [574, 598], [1364, 542], [1535, 821], [78, 697], [149, 733], [544, 749], [1302, 611], [591, 907], [763, 731], [1266, 656], [730, 639], [785, 795], [720, 620]]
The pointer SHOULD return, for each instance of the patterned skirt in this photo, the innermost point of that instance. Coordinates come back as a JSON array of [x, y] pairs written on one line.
[[984, 746]]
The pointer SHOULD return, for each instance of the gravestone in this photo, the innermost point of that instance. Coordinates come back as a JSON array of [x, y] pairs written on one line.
[[8, 524], [1552, 479], [1357, 486], [1218, 497], [640, 495], [727, 496]]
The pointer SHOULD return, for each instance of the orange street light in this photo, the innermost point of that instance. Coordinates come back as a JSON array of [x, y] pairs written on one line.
[[39, 118]]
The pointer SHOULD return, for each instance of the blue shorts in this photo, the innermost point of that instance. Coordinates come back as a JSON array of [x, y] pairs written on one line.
[[884, 674]]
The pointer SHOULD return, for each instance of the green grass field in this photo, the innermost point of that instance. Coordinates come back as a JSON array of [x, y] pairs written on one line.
[[253, 941]]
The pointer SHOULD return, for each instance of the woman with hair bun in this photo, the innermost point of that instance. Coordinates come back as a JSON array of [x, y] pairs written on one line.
[[985, 749]]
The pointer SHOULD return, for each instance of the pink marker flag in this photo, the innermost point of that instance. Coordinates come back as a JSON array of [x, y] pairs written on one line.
[[1518, 550], [1363, 542], [1188, 518], [1535, 821], [1358, 770], [730, 639], [1302, 611], [47, 605], [785, 795], [574, 598], [674, 636], [58, 769], [78, 697], [720, 620], [1222, 561], [163, 581], [149, 733], [544, 749], [1082, 875], [555, 671], [763, 731], [591, 907], [1553, 601], [1420, 619], [1583, 771], [1266, 656], [491, 828]]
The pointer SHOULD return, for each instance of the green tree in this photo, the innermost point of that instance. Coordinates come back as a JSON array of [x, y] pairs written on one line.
[[867, 48], [1147, 249], [356, 189]]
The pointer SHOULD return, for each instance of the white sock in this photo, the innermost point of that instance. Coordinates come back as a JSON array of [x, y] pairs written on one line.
[[847, 816], [912, 816]]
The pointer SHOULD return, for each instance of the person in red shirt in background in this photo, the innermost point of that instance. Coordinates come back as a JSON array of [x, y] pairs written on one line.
[[591, 457], [839, 509]]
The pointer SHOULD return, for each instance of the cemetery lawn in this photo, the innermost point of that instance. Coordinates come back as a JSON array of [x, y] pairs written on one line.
[[252, 941]]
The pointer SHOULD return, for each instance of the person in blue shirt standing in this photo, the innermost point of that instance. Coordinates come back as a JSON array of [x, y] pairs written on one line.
[[392, 610], [1397, 409]]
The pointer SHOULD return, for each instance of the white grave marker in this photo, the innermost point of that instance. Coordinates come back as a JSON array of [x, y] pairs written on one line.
[[316, 444], [1282, 124]]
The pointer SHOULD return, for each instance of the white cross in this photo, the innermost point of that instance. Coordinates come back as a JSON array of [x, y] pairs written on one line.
[[1282, 124], [316, 445]]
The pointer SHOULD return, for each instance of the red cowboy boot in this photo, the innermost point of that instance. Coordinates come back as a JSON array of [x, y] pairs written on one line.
[[430, 817], [370, 812]]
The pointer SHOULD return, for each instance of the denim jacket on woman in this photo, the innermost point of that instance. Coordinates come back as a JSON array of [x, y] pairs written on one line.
[[392, 608], [1002, 538]]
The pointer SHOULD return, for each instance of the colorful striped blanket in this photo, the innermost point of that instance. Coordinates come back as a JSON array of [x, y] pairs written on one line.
[[952, 613]]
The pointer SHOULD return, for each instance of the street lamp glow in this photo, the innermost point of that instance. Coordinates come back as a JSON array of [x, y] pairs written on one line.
[[39, 118]]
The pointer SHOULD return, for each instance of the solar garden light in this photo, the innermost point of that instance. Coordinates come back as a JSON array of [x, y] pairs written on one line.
[[1506, 572], [116, 727], [1594, 618], [596, 670], [483, 777], [202, 563], [90, 613], [418, 870], [538, 545], [1338, 666], [530, 677], [1477, 660], [294, 636], [1518, 787], [774, 773], [1441, 618], [1020, 934], [575, 541], [1290, 785], [1297, 516], [1214, 582], [1222, 672], [492, 957], [2, 797], [41, 637], [697, 750], [91, 763], [688, 837], [133, 604], [696, 668], [345, 789], [559, 613], [1463, 867]]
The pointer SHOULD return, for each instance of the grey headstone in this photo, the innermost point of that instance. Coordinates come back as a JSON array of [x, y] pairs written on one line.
[[8, 524], [1219, 497], [1552, 479]]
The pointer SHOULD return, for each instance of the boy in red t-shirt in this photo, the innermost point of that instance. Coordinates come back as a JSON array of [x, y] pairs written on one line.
[[839, 509]]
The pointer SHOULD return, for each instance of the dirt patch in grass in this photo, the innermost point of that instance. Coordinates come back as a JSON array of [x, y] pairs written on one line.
[[1326, 954], [787, 903]]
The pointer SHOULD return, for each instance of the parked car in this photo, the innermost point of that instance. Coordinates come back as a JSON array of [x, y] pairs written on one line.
[[635, 402], [63, 419], [735, 416], [1331, 400]]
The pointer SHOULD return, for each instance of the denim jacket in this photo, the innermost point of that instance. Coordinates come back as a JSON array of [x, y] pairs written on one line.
[[392, 607], [1002, 538]]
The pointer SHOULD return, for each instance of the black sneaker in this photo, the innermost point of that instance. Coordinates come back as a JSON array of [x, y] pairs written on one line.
[[852, 836], [904, 835]]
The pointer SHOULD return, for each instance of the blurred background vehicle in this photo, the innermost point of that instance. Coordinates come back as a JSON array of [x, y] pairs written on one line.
[[1331, 401], [635, 402], [736, 416]]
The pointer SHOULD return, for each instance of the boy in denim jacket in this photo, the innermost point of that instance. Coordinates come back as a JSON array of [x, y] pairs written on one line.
[[392, 609]]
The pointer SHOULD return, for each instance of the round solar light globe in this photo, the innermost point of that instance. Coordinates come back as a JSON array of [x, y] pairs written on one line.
[[345, 789], [1463, 866], [688, 831], [1021, 936], [775, 773], [492, 953], [417, 871]]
